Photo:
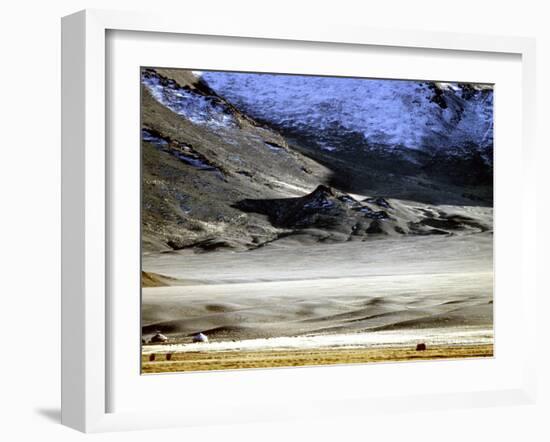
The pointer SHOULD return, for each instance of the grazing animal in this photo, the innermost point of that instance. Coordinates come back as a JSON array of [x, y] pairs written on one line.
[[151, 357], [168, 356], [420, 347]]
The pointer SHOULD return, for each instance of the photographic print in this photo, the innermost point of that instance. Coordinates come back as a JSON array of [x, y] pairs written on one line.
[[300, 220]]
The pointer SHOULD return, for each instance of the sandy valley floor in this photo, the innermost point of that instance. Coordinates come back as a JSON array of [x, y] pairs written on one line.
[[379, 294]]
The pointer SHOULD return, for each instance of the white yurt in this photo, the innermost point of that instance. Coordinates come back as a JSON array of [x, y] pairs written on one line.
[[159, 338], [200, 337]]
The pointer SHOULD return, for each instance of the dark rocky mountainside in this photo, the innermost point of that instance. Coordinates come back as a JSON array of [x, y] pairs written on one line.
[[195, 169]]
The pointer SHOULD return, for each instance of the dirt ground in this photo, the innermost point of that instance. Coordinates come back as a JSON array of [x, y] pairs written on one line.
[[231, 360]]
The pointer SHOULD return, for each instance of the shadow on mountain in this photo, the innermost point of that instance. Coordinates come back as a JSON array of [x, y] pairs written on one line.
[[460, 177]]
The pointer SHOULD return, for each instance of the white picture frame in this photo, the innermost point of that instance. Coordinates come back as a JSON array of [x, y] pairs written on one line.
[[85, 211]]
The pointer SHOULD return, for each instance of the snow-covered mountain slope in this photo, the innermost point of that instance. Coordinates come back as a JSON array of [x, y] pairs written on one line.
[[214, 178], [389, 113]]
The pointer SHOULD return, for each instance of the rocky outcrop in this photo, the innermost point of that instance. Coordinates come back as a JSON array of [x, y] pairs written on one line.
[[325, 208]]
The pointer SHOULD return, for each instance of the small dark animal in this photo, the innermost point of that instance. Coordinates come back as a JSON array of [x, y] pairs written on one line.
[[420, 347], [151, 357], [168, 356]]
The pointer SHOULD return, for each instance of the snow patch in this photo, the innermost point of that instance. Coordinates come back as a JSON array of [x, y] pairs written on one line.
[[182, 152], [197, 108]]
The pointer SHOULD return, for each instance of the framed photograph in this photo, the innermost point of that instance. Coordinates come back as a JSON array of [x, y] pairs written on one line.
[[292, 222]]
